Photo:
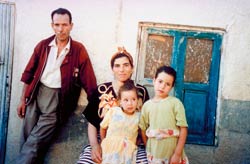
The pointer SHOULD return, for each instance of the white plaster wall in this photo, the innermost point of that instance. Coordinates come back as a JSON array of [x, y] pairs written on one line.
[[231, 15], [103, 25]]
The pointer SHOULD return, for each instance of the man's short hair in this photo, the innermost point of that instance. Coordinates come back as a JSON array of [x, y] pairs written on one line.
[[61, 11]]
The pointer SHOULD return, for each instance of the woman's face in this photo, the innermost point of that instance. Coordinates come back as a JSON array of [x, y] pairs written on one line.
[[122, 69]]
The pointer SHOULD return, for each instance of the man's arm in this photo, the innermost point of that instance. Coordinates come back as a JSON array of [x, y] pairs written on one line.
[[22, 107]]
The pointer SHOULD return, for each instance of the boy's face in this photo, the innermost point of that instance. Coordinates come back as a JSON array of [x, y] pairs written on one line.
[[129, 101], [163, 84]]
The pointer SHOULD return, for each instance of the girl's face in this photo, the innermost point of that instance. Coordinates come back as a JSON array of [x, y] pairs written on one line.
[[163, 85], [122, 69], [129, 101]]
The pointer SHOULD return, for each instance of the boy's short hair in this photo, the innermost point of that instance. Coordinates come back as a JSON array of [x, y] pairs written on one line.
[[168, 70]]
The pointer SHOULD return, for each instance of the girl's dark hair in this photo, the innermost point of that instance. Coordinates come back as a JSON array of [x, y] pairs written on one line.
[[127, 86], [168, 70], [121, 53], [61, 11]]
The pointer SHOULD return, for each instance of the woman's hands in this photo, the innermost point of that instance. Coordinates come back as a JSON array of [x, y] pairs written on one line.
[[96, 153]]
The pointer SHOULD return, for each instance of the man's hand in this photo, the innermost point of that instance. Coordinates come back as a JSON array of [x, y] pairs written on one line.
[[21, 109]]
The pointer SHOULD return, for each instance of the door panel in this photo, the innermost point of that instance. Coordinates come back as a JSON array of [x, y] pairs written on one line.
[[197, 64], [195, 106], [197, 60], [158, 52]]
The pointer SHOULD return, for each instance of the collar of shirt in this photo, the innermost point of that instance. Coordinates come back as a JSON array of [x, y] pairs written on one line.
[[67, 47]]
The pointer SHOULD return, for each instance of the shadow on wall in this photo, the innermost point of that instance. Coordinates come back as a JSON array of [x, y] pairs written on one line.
[[72, 137]]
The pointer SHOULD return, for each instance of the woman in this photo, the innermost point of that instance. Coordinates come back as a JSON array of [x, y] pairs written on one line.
[[105, 97]]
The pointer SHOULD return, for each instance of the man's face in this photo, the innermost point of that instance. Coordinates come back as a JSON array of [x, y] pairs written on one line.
[[62, 27]]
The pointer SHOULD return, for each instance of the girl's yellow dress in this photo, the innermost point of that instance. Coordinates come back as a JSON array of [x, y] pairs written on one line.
[[119, 145], [161, 121]]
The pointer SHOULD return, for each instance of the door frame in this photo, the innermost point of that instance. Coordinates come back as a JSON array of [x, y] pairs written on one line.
[[7, 15]]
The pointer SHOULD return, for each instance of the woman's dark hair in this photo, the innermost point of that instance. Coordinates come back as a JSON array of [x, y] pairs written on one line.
[[168, 70], [128, 86], [61, 11], [121, 53]]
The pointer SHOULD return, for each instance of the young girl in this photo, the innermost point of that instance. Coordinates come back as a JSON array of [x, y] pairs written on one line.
[[119, 128], [163, 122]]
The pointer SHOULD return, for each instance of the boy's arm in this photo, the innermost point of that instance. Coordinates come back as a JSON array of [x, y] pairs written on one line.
[[180, 145], [103, 133], [143, 136]]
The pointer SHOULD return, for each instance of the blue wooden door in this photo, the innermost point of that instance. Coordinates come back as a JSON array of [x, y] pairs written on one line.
[[6, 52], [195, 55], [197, 83]]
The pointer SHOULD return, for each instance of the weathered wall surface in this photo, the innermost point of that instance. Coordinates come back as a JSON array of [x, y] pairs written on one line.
[[233, 137], [102, 25]]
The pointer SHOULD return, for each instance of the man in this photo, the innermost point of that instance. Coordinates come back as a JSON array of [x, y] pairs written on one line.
[[53, 77]]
